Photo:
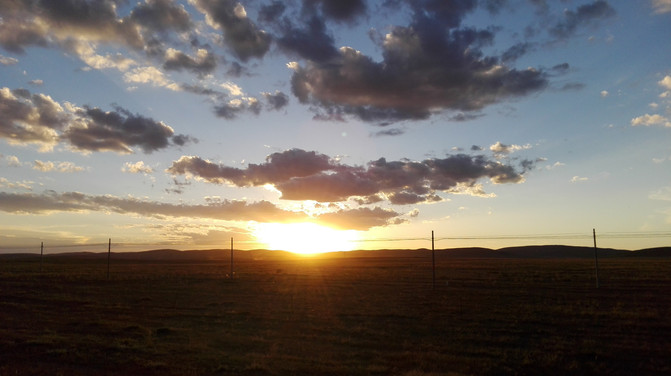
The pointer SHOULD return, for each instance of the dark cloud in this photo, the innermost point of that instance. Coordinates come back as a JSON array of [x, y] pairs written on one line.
[[277, 100], [516, 51], [204, 63], [37, 118], [389, 132], [15, 35], [277, 168], [50, 201], [270, 13], [588, 14], [340, 10], [302, 175], [30, 118], [426, 68], [161, 15], [312, 42], [241, 35], [118, 131]]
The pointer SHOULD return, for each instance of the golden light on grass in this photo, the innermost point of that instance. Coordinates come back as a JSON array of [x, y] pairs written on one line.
[[305, 238]]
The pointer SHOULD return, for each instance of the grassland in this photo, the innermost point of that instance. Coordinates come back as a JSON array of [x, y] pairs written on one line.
[[335, 316]]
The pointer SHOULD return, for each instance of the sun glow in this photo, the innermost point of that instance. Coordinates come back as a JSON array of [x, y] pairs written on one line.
[[305, 238]]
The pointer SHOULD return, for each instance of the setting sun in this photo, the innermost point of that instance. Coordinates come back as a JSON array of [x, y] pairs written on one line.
[[305, 238]]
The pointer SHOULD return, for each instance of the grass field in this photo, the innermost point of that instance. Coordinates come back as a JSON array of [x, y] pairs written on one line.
[[336, 316]]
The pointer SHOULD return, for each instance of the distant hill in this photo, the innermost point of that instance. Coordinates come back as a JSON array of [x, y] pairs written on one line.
[[537, 251]]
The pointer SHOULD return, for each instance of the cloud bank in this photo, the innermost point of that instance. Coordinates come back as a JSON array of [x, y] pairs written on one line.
[[308, 175]]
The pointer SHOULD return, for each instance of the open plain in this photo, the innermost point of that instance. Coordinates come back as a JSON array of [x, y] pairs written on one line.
[[356, 314]]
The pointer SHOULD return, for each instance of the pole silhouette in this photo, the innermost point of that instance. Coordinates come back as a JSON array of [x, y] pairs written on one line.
[[596, 259], [433, 261]]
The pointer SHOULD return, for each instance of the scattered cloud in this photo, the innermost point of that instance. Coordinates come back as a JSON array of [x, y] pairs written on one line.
[[657, 119], [64, 167], [661, 6], [503, 149], [4, 60], [578, 179], [663, 194], [37, 118], [13, 161], [137, 168], [24, 185], [584, 15], [604, 93], [303, 175], [240, 34], [648, 120]]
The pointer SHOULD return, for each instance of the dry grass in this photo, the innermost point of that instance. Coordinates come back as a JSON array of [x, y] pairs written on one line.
[[348, 316]]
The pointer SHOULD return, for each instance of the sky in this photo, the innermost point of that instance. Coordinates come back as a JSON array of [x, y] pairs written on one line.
[[334, 125]]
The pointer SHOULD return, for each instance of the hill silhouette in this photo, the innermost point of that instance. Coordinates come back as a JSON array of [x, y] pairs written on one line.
[[534, 251]]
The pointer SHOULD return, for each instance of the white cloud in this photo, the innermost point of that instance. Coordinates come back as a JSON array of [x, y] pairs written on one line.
[[578, 179], [4, 60], [604, 93], [13, 161], [555, 165], [663, 194], [661, 6], [150, 75], [233, 89], [4, 183], [500, 148], [137, 168], [48, 166], [649, 120], [666, 81]]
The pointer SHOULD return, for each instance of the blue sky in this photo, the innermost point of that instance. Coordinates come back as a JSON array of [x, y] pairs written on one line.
[[185, 123]]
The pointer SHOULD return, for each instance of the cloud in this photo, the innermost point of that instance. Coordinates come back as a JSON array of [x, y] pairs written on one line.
[[584, 15], [303, 175], [661, 6], [358, 219], [37, 118], [118, 130], [604, 93], [425, 70], [649, 120], [64, 167], [277, 100], [161, 15], [4, 60], [150, 75], [240, 34], [36, 82], [137, 168], [25, 185], [50, 201], [665, 83], [503, 149], [311, 42], [663, 194], [341, 10], [204, 63], [578, 179], [31, 118], [13, 161]]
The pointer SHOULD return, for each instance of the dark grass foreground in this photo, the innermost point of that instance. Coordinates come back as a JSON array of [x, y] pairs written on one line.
[[336, 316]]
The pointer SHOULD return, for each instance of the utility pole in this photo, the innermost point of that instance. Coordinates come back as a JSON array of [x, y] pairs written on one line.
[[109, 254], [596, 259], [433, 261]]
